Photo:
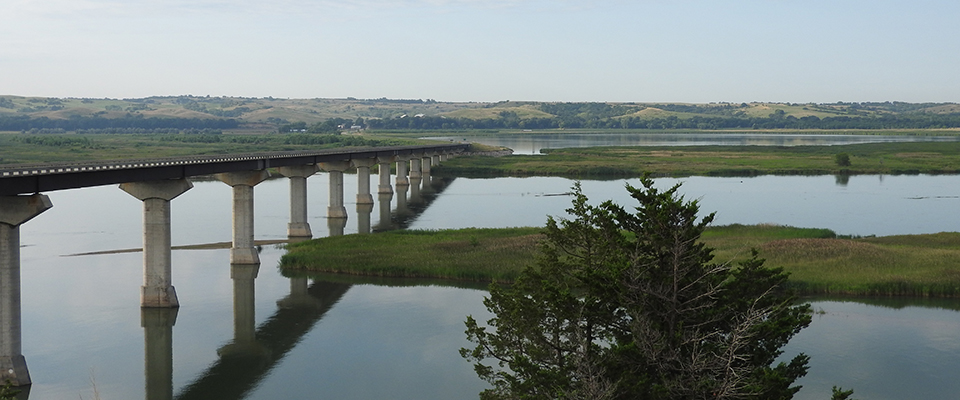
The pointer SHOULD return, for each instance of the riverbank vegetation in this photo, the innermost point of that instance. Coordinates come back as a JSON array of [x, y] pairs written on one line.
[[599, 162], [818, 261]]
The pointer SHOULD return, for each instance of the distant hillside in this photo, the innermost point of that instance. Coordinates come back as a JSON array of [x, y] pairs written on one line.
[[270, 114]]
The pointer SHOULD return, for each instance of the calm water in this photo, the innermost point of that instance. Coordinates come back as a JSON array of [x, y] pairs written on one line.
[[532, 143], [363, 340]]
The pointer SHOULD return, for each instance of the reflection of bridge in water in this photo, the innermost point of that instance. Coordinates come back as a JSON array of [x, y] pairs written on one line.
[[157, 182]]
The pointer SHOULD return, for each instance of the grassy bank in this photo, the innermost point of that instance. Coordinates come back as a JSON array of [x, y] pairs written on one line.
[[870, 158], [818, 261]]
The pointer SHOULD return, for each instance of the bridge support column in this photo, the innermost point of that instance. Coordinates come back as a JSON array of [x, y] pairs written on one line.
[[157, 289], [435, 160], [402, 164], [335, 209], [363, 218], [14, 211], [363, 179], [385, 187], [298, 226], [157, 326], [425, 165], [415, 167], [243, 250]]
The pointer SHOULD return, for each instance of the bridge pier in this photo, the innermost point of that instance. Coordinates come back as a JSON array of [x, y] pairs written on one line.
[[402, 165], [14, 211], [157, 289], [385, 187], [298, 226], [363, 218], [242, 182], [415, 167], [335, 209], [363, 179], [385, 223], [427, 161]]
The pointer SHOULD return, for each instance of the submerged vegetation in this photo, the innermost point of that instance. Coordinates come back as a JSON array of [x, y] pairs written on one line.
[[818, 261]]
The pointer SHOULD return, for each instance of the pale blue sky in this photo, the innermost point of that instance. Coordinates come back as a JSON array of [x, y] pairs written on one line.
[[485, 50]]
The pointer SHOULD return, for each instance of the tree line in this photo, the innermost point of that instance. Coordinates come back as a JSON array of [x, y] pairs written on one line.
[[508, 120], [25, 123]]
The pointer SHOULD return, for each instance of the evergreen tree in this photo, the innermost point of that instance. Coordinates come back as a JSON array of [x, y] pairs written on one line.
[[630, 305]]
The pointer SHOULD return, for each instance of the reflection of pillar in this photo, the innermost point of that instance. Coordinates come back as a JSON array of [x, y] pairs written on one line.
[[336, 168], [244, 278], [415, 197], [383, 201], [402, 199], [426, 185], [385, 187], [363, 217], [298, 226], [243, 182], [402, 172], [157, 289], [157, 326], [363, 179], [415, 167], [14, 211]]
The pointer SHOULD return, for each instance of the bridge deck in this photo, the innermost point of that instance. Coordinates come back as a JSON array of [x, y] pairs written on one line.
[[36, 178]]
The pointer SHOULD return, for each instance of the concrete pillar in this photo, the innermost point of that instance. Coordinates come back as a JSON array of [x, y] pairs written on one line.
[[14, 211], [402, 180], [363, 179], [427, 161], [335, 208], [298, 226], [336, 226], [385, 187], [157, 289], [243, 250], [415, 167], [443, 157], [363, 218], [435, 160], [157, 326]]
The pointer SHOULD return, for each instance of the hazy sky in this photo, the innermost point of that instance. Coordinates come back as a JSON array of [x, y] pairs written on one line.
[[485, 50]]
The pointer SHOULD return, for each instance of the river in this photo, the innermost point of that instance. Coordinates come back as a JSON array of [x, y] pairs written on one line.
[[83, 335]]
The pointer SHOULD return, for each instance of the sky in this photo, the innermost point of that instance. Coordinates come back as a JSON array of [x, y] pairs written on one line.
[[694, 51]]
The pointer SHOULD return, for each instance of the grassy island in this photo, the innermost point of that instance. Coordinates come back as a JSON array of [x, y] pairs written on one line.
[[819, 262], [597, 162]]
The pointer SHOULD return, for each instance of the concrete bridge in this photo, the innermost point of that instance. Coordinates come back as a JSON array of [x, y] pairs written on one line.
[[156, 182]]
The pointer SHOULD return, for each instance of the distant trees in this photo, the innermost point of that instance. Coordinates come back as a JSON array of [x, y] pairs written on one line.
[[630, 305]]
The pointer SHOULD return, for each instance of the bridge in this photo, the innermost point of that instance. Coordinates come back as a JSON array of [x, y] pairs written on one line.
[[156, 182]]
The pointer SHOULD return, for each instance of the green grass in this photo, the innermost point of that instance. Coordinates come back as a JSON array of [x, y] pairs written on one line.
[[818, 261], [465, 254], [870, 158]]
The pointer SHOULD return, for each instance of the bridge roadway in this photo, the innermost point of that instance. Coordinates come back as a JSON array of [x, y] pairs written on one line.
[[158, 181]]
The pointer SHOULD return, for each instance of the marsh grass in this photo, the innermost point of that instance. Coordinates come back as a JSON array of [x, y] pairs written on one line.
[[818, 261], [870, 158], [464, 254]]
